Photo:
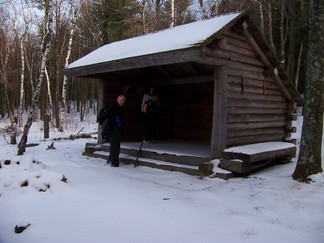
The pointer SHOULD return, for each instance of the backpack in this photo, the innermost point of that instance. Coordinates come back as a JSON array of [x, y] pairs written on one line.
[[150, 106], [102, 115]]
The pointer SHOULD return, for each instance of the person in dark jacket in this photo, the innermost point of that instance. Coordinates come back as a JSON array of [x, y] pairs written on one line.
[[150, 110], [112, 128]]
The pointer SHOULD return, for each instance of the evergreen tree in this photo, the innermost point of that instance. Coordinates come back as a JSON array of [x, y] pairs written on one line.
[[117, 18]]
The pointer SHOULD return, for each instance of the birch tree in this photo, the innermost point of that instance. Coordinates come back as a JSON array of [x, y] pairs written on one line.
[[45, 47], [73, 13], [310, 161], [172, 14]]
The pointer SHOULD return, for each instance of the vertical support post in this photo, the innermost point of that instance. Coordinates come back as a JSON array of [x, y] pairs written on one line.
[[219, 126], [101, 88]]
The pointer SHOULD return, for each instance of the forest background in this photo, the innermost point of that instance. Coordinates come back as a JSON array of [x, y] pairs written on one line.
[[80, 26], [39, 38]]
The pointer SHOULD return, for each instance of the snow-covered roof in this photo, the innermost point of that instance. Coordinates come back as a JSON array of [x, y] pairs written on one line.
[[176, 38]]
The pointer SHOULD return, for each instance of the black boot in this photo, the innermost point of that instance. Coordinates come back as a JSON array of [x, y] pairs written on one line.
[[108, 160]]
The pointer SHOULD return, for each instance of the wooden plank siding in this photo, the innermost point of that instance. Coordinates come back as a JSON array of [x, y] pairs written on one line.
[[257, 111]]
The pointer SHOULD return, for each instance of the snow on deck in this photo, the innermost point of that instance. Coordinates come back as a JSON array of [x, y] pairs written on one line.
[[260, 147], [176, 38], [172, 147]]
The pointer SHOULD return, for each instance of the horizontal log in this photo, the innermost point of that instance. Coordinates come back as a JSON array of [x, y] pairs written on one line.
[[234, 35], [241, 43], [246, 74], [253, 96], [265, 60], [236, 57], [233, 60], [248, 110], [253, 125], [255, 104], [264, 84], [235, 166], [223, 45], [254, 118], [252, 90], [212, 61], [232, 133], [253, 139], [245, 66]]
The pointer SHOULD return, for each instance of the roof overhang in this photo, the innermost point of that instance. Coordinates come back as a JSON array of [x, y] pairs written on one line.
[[157, 59], [190, 53]]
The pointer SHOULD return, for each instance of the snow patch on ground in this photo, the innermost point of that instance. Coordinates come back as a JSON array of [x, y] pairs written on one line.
[[129, 205]]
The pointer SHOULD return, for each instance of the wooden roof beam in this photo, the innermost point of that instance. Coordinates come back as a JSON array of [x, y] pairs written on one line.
[[164, 71], [193, 67], [185, 80], [272, 71]]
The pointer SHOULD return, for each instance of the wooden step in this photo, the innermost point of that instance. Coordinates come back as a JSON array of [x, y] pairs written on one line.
[[179, 159], [90, 148], [254, 153], [248, 158], [153, 163], [243, 168]]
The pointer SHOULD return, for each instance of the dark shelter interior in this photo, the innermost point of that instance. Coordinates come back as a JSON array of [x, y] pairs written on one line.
[[186, 95]]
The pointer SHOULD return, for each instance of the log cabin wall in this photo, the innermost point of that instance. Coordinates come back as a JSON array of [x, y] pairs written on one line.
[[256, 109]]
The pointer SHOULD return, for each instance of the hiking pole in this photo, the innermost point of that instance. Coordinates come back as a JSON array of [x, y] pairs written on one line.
[[138, 153]]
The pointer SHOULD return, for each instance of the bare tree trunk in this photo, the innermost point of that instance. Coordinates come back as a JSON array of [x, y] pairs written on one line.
[[50, 100], [282, 32], [172, 14], [82, 110], [8, 103], [13, 135], [31, 77], [22, 82], [291, 67], [46, 43], [22, 62], [4, 76], [158, 4], [270, 24], [63, 96], [310, 160], [47, 119], [261, 19], [143, 16]]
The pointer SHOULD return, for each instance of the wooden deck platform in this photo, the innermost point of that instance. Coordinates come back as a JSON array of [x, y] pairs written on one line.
[[193, 158], [189, 158]]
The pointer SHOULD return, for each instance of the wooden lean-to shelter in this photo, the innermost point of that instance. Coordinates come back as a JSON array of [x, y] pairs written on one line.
[[218, 80]]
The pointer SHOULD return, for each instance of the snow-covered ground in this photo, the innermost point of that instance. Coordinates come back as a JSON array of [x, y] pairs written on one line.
[[129, 205]]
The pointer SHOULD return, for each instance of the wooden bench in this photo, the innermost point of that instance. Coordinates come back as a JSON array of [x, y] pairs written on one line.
[[247, 158]]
